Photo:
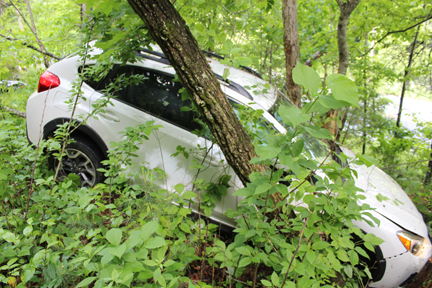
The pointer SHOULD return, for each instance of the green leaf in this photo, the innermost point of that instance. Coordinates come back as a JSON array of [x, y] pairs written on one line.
[[28, 274], [244, 61], [266, 283], [130, 257], [244, 192], [292, 116], [179, 188], [307, 77], [275, 279], [343, 89], [376, 241], [353, 257], [226, 73], [114, 236], [189, 195], [342, 255], [200, 27], [150, 263], [368, 273], [28, 230], [329, 101], [320, 245], [367, 160], [362, 252], [155, 243], [185, 227], [348, 271], [311, 256], [318, 132], [228, 44], [86, 282], [244, 262], [118, 251], [262, 188], [297, 147], [290, 284], [134, 239], [106, 259], [243, 250], [148, 229], [267, 152]]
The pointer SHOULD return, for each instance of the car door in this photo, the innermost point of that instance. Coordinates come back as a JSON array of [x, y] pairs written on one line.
[[157, 98]]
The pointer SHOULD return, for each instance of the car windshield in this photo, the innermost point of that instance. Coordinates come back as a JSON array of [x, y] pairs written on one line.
[[317, 149]]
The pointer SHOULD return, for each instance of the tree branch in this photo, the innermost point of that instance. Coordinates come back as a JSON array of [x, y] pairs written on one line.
[[4, 5], [24, 43], [13, 111], [398, 31], [240, 12], [32, 28]]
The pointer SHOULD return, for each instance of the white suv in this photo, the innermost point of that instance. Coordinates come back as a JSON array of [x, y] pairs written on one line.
[[157, 98]]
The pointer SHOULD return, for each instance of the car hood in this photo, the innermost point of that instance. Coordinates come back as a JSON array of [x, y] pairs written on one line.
[[387, 197]]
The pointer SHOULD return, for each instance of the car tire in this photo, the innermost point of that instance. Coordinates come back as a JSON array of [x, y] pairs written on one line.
[[83, 159]]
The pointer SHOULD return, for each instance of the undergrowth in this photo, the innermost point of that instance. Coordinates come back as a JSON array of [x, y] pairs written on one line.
[[55, 233]]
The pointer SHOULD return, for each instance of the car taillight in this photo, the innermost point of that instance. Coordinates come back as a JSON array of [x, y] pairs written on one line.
[[48, 81]]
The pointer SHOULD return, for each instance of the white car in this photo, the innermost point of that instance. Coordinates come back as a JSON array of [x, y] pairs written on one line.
[[407, 246]]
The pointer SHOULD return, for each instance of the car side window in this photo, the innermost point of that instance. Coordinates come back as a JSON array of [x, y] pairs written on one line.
[[157, 94]]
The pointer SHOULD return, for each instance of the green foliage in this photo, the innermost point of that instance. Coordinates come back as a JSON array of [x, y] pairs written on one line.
[[56, 233]]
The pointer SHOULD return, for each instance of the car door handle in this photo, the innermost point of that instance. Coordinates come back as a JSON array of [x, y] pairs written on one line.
[[109, 116]]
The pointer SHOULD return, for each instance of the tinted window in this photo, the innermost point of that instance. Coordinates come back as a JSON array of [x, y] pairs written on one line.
[[157, 94], [91, 76]]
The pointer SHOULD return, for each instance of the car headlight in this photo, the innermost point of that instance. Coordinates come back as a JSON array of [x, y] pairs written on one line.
[[415, 244]]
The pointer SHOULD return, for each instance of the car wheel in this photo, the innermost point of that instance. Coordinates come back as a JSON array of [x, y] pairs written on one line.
[[83, 159]]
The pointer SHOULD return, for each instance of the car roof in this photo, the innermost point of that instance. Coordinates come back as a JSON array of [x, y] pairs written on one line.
[[243, 78]]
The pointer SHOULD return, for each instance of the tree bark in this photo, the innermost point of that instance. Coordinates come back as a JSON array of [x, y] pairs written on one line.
[[429, 171], [424, 278], [413, 44], [365, 102], [346, 8], [83, 10], [292, 48], [172, 34]]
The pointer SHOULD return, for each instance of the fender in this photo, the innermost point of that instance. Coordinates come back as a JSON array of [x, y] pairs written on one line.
[[82, 129]]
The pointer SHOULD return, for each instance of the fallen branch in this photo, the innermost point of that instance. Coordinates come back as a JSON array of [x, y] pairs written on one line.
[[24, 43], [13, 111], [398, 31]]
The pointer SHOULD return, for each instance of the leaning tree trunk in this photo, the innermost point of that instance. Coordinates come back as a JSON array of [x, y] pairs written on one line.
[[346, 8], [292, 48], [178, 44]]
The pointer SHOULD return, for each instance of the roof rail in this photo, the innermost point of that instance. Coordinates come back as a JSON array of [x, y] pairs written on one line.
[[245, 68], [161, 58]]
